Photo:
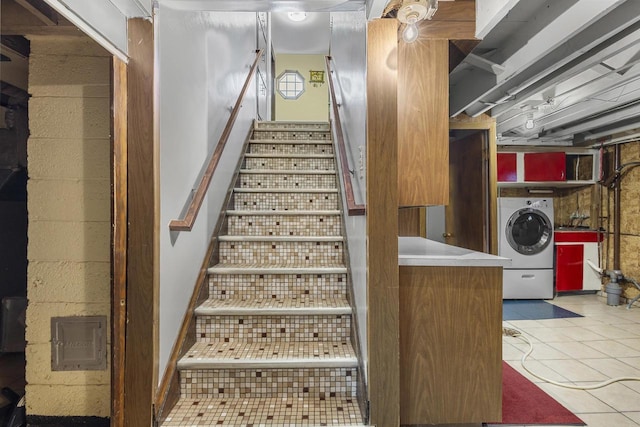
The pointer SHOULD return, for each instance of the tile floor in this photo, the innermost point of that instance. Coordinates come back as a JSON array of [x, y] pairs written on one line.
[[603, 344]]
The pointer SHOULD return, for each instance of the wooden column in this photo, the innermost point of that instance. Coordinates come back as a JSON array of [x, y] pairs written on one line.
[[119, 240], [142, 248], [382, 223]]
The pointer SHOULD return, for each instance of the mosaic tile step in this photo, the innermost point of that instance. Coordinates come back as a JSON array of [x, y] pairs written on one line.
[[286, 180], [290, 172], [293, 268], [304, 239], [219, 355], [297, 134], [282, 412], [283, 213], [277, 286], [284, 141], [273, 328], [276, 224], [313, 252], [287, 156], [273, 307], [286, 190], [268, 383], [287, 147], [261, 201], [290, 163], [290, 125]]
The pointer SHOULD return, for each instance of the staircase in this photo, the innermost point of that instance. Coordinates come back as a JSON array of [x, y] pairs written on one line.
[[274, 338]]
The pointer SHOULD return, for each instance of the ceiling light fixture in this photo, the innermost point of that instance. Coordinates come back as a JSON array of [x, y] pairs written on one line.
[[297, 16], [529, 124], [413, 11]]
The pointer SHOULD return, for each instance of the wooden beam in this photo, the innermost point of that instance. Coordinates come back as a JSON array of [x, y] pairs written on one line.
[[18, 44], [142, 247], [16, 20], [14, 94], [119, 241], [40, 10], [382, 223]]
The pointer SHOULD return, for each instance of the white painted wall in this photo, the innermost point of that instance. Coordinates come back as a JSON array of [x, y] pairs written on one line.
[[348, 50], [203, 60]]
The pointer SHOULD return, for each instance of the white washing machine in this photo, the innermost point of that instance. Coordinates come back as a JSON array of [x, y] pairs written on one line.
[[525, 227]]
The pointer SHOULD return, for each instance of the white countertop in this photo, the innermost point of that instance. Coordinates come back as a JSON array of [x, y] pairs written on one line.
[[418, 251]]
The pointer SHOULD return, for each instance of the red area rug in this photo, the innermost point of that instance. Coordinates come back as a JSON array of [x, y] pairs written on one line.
[[525, 403]]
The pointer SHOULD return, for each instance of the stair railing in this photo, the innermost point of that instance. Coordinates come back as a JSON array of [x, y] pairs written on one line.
[[352, 207], [186, 223]]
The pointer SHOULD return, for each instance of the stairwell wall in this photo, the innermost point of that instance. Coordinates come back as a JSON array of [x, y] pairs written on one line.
[[203, 61], [348, 52]]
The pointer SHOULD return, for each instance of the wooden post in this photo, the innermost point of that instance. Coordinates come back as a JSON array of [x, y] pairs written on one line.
[[142, 249], [382, 223]]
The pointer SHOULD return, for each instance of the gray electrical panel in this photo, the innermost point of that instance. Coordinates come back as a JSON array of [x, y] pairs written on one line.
[[79, 343]]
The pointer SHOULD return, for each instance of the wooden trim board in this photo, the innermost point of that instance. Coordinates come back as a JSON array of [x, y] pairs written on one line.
[[118, 239], [463, 121]]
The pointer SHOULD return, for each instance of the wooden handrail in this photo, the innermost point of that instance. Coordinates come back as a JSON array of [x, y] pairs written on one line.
[[186, 223], [352, 207]]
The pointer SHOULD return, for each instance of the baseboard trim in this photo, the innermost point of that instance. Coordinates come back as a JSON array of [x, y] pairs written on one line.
[[46, 421]]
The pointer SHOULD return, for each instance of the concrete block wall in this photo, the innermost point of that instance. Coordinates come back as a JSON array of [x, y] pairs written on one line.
[[69, 215]]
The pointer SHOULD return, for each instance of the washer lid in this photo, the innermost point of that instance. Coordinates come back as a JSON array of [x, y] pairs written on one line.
[[529, 231]]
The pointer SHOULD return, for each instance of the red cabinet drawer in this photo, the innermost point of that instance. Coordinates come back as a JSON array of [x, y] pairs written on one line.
[[569, 265], [507, 167], [544, 166]]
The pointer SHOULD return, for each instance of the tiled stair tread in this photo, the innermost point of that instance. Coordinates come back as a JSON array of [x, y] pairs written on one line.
[[268, 355], [281, 411], [280, 212], [288, 171], [255, 238], [273, 306], [292, 141], [281, 268], [288, 156], [284, 190]]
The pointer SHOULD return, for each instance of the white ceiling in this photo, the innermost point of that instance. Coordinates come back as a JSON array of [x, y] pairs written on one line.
[[311, 36]]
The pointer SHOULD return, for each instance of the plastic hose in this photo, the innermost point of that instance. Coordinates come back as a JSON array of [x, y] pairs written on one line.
[[512, 332]]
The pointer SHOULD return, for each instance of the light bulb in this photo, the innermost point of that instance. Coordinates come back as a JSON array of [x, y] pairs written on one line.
[[410, 33], [297, 16]]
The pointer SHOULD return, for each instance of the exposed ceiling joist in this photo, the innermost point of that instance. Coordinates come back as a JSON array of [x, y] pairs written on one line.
[[40, 10], [13, 95], [535, 50], [16, 44], [590, 102], [16, 20], [626, 39], [485, 64], [629, 113]]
